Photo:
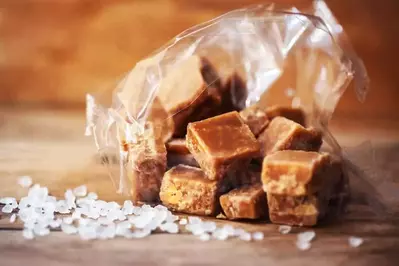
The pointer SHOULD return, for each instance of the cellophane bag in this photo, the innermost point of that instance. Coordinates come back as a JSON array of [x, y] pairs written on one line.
[[288, 56]]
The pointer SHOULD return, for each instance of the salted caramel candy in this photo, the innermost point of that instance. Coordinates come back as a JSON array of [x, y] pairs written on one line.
[[284, 134], [221, 144], [177, 158], [247, 202], [177, 146], [295, 114], [187, 86], [186, 189], [234, 93], [162, 122], [256, 118], [146, 166]]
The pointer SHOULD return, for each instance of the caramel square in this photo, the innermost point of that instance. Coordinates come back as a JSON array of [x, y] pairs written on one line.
[[186, 189], [295, 114], [255, 118], [221, 144], [248, 202]]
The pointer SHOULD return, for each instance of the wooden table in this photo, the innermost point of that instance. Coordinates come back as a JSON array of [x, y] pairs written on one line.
[[51, 147]]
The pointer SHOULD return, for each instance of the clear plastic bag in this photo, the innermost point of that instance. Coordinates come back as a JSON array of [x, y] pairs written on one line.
[[287, 56]]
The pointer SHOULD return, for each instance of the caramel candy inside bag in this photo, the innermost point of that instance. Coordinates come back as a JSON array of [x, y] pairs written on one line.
[[295, 114], [187, 189], [255, 118], [161, 120], [146, 167], [186, 87], [247, 202], [177, 146], [221, 144], [175, 159], [284, 134]]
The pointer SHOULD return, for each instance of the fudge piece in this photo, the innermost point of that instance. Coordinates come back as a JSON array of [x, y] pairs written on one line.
[[299, 186], [186, 189], [177, 146], [255, 118], [146, 166], [291, 113], [284, 134], [187, 86], [177, 158], [221, 144], [161, 120], [234, 93], [247, 202]]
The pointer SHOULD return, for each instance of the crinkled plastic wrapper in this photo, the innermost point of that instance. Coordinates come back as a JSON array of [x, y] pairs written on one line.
[[284, 56]]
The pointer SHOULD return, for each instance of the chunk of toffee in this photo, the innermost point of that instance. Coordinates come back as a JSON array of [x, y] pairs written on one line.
[[177, 146], [146, 166], [295, 114], [256, 118], [177, 158], [284, 134], [221, 144], [297, 173], [187, 86], [161, 120], [186, 189], [234, 93], [247, 202]]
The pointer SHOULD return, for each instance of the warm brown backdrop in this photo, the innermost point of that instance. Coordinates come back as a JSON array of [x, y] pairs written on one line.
[[52, 52]]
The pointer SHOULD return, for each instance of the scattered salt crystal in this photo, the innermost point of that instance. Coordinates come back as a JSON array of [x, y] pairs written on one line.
[[76, 215], [92, 196], [7, 209], [68, 229], [239, 232], [246, 236], [258, 236], [87, 232], [229, 229], [205, 237], [8, 200], [80, 191], [355, 241], [142, 220], [284, 229], [127, 207], [183, 221], [28, 234], [67, 220], [61, 207], [70, 199], [303, 245], [40, 230], [13, 218], [136, 210], [113, 205], [25, 181], [306, 236], [55, 223], [171, 218], [161, 208], [140, 233], [171, 228], [209, 226], [220, 234], [194, 220]]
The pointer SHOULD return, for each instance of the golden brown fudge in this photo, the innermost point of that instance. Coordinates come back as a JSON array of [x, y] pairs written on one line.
[[221, 144], [187, 86], [161, 120], [247, 202], [177, 158], [295, 114], [284, 134], [234, 93], [146, 166], [255, 118], [299, 185], [186, 189], [177, 146]]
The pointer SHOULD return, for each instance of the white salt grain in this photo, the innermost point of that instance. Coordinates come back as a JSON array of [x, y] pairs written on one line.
[[13, 218], [140, 233], [67, 220], [205, 237], [284, 229], [171, 228], [40, 230], [194, 220], [303, 245], [80, 191], [25, 181], [68, 229], [28, 234], [92, 196], [127, 207], [7, 209], [209, 226], [220, 234], [8, 200], [183, 221], [245, 237], [258, 236], [55, 223], [355, 241], [70, 199], [306, 236]]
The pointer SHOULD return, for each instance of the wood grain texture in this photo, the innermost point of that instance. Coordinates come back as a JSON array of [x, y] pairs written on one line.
[[53, 52], [49, 145]]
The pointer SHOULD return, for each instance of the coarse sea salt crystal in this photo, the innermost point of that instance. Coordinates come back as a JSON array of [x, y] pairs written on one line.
[[194, 220], [246, 237], [205, 237], [13, 218], [92, 196], [171, 228], [8, 200], [7, 209], [183, 221], [70, 199], [140, 233], [306, 236], [67, 220], [25, 181], [68, 229], [258, 236], [209, 226], [41, 230], [55, 223], [303, 245], [87, 232], [355, 241], [28, 234], [80, 191], [284, 229], [127, 207], [220, 234]]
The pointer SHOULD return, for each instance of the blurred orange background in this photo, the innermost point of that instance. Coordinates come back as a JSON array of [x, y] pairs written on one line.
[[53, 52]]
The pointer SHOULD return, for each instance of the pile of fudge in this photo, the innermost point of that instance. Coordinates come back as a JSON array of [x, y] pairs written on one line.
[[202, 153]]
